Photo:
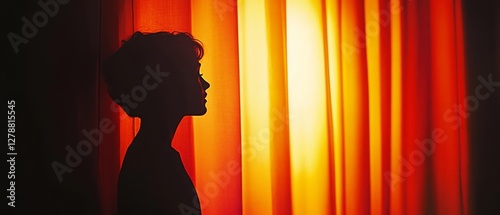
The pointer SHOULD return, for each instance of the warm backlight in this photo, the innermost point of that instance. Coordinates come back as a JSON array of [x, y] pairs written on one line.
[[319, 106]]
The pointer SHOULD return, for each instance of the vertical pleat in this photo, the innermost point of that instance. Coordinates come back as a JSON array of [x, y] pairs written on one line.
[[217, 134], [393, 177], [255, 118], [307, 96], [278, 107], [355, 102], [446, 169]]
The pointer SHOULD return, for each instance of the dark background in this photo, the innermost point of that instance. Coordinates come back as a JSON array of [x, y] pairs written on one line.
[[482, 36], [53, 80]]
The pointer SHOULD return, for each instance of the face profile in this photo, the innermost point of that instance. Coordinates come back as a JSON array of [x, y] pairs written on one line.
[[157, 78], [200, 100], [194, 86]]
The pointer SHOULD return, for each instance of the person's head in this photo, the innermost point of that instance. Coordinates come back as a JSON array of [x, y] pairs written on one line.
[[156, 74]]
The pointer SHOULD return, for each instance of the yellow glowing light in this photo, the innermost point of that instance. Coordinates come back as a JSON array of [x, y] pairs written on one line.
[[374, 98], [254, 91], [335, 94], [396, 109], [307, 106]]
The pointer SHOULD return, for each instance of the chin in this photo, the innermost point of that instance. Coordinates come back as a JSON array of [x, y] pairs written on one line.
[[198, 112]]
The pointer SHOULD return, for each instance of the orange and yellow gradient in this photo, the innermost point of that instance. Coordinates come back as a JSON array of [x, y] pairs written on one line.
[[314, 105]]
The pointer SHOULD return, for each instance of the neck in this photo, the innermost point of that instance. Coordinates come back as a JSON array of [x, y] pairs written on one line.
[[158, 130]]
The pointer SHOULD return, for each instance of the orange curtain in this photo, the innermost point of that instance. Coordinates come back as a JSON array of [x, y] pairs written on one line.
[[315, 106]]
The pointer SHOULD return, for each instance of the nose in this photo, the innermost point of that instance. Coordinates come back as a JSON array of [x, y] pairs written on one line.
[[205, 84]]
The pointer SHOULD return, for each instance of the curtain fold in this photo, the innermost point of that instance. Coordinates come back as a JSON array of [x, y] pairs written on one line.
[[217, 134], [315, 107]]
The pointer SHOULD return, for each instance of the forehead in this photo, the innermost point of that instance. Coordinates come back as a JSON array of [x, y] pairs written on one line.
[[189, 57], [192, 66]]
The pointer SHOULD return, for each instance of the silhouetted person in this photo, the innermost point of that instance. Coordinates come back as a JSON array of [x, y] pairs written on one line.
[[156, 77]]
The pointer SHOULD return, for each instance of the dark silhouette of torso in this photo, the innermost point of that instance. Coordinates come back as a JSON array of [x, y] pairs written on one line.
[[154, 181]]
